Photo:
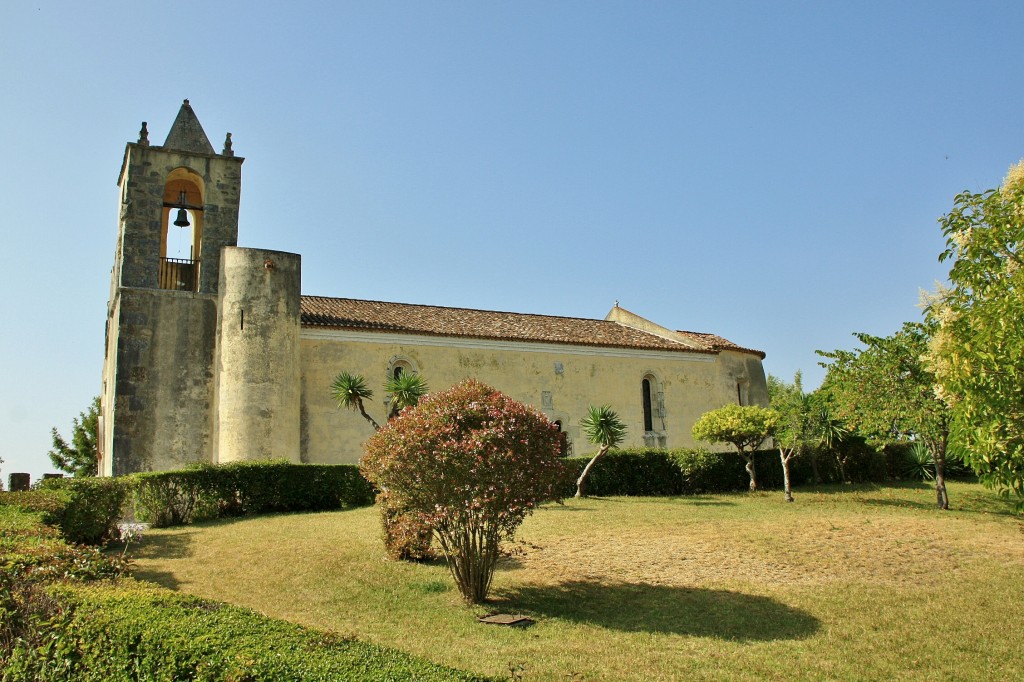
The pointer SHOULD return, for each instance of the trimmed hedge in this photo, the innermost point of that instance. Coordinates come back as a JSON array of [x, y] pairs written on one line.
[[85, 509], [32, 555], [206, 491], [652, 472], [58, 623], [133, 631]]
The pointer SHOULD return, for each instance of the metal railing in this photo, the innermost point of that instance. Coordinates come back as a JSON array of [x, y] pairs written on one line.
[[179, 274]]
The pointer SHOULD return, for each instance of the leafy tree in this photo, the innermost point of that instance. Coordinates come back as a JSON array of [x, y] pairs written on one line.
[[471, 463], [79, 457], [350, 391], [977, 348], [885, 393], [604, 428], [743, 426], [794, 433]]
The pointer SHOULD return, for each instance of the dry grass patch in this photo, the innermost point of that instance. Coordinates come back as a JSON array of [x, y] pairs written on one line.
[[847, 583]]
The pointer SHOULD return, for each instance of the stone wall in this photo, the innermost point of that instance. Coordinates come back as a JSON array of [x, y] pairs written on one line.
[[162, 381]]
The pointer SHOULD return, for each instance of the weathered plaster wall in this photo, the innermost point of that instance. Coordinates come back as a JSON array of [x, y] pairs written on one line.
[[162, 375], [560, 380], [258, 356]]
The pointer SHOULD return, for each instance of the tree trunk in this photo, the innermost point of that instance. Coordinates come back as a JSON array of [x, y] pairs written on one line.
[[472, 553], [785, 473], [814, 466], [940, 474], [362, 411], [751, 471], [586, 471], [841, 461]]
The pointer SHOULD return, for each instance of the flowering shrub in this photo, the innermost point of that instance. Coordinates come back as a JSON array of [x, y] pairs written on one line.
[[406, 536], [471, 463]]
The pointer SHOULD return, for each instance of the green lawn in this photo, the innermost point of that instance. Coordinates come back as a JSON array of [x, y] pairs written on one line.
[[847, 583]]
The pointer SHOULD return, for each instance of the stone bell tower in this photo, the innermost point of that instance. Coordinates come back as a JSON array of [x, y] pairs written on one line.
[[158, 399]]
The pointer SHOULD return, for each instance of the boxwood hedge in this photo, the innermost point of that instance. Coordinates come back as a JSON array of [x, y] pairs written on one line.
[[134, 631], [205, 491]]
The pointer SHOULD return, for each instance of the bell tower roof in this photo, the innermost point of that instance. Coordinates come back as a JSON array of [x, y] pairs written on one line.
[[187, 134]]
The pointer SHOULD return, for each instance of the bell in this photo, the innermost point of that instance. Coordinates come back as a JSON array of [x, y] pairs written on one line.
[[182, 219]]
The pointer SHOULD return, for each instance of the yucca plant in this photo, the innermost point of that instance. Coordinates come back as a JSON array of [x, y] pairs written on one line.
[[349, 391], [406, 389], [919, 463], [603, 427]]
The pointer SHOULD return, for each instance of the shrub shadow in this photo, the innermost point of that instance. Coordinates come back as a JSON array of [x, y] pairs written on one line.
[[161, 546], [161, 578], [634, 607], [164, 546]]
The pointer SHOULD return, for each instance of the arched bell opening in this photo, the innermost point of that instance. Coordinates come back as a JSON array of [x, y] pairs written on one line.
[[181, 236]]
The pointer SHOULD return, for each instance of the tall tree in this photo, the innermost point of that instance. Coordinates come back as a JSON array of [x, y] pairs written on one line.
[[78, 457], [745, 427], [794, 430], [886, 393], [977, 350], [604, 428]]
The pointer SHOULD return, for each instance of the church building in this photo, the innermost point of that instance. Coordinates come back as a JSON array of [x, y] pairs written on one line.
[[219, 357]]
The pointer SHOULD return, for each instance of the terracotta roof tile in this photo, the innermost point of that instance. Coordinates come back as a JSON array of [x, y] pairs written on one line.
[[406, 318], [716, 342]]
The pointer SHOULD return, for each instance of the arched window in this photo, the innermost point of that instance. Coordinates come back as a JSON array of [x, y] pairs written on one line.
[[563, 438], [648, 404], [400, 365], [653, 402]]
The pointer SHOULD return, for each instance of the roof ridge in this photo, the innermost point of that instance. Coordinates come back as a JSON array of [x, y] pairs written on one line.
[[447, 307]]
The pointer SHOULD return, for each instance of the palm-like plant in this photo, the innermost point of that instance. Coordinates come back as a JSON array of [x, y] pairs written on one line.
[[829, 432], [602, 427], [406, 389], [350, 390], [919, 463]]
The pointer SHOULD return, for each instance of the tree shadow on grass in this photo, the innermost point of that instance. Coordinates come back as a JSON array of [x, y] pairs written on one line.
[[633, 607], [903, 504], [966, 502], [705, 501]]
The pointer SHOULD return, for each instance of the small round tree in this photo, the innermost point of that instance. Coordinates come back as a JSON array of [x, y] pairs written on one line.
[[471, 463], [744, 426]]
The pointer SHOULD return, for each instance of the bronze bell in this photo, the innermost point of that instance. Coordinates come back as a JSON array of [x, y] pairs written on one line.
[[182, 219]]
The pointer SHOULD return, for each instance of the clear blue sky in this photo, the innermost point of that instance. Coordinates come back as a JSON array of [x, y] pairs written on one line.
[[768, 171]]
